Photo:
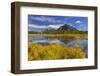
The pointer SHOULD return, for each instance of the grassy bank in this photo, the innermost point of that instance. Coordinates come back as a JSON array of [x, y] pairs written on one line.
[[54, 51], [80, 36]]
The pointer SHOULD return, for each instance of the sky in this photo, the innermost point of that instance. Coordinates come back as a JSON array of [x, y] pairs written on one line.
[[41, 22]]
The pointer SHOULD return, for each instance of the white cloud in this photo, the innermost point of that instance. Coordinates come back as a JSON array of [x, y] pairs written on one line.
[[55, 26], [43, 18], [37, 26], [78, 21], [45, 26]]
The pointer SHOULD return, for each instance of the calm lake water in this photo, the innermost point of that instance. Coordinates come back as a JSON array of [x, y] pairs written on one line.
[[59, 40]]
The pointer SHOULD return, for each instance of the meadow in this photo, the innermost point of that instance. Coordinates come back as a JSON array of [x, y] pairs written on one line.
[[54, 51]]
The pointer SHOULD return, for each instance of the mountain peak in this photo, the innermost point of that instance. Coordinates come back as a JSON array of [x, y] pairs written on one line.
[[67, 27]]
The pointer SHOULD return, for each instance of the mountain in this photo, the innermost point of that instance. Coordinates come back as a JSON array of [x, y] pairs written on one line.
[[67, 27], [50, 29], [42, 28]]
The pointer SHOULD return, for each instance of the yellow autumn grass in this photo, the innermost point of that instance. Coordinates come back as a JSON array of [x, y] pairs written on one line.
[[80, 36], [54, 51]]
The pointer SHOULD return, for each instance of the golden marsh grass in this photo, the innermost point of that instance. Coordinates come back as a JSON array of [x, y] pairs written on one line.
[[54, 51]]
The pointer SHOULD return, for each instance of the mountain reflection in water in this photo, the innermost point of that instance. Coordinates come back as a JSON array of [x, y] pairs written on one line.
[[55, 40]]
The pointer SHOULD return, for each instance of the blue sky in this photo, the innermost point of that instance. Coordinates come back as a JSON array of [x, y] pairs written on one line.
[[42, 22]]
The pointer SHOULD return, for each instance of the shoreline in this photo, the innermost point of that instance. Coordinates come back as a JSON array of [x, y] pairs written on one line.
[[62, 35]]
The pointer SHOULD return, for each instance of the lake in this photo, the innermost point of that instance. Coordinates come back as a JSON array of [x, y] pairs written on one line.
[[62, 41]]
